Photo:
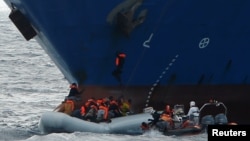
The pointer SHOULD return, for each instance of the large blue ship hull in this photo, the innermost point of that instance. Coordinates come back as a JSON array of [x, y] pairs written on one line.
[[176, 50]]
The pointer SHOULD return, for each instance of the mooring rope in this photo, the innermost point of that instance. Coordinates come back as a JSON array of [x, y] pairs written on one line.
[[159, 79]]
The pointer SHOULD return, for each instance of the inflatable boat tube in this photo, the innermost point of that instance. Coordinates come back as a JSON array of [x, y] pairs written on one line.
[[56, 122]]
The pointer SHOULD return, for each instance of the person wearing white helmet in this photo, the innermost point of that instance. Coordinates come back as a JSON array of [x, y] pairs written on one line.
[[193, 113]]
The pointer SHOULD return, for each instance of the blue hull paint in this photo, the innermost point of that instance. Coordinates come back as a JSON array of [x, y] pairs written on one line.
[[189, 49]]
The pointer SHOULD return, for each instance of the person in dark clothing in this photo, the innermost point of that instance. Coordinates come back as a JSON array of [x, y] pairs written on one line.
[[74, 93], [73, 90], [114, 109]]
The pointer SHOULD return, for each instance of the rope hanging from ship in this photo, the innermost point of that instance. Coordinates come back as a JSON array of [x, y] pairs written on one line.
[[159, 79]]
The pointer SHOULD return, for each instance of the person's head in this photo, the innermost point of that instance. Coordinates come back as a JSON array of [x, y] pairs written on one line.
[[99, 101], [73, 85], [111, 98], [192, 103], [167, 107]]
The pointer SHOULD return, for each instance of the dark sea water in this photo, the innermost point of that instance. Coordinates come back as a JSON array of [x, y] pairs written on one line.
[[31, 84]]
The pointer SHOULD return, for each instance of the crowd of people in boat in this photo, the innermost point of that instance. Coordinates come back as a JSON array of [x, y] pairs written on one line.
[[106, 108], [94, 110]]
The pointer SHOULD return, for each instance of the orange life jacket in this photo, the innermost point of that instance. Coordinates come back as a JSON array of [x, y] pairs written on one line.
[[119, 56], [94, 107], [69, 107], [89, 103], [83, 110], [105, 116], [168, 118], [113, 102]]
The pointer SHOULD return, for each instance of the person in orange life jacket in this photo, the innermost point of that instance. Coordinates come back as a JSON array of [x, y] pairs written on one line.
[[167, 115], [80, 113], [102, 113], [91, 114], [73, 96], [69, 100], [119, 62], [114, 108], [89, 102], [166, 122], [69, 107], [106, 101], [84, 109], [168, 111]]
